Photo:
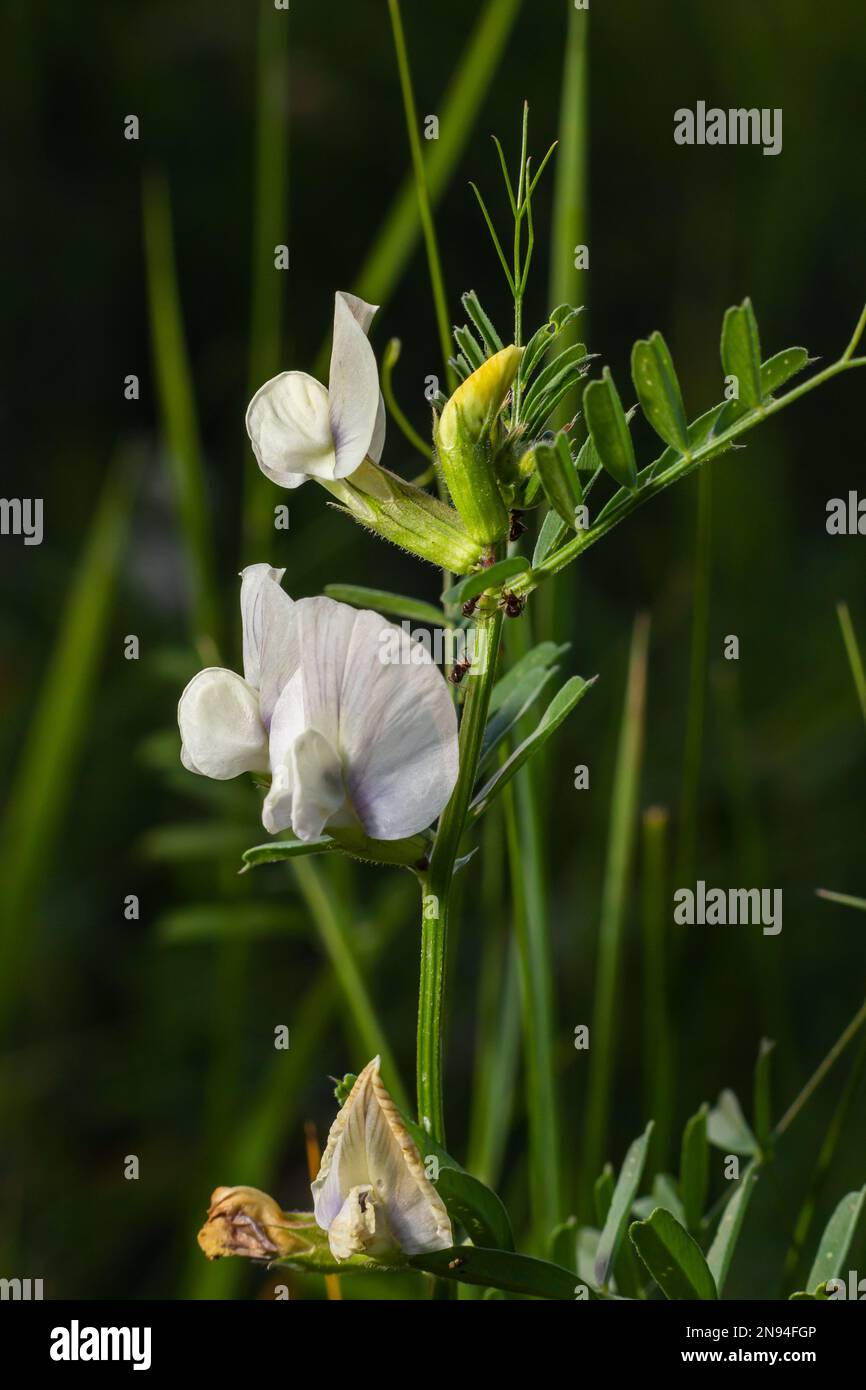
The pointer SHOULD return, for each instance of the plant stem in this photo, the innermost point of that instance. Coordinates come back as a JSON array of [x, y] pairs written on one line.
[[433, 260], [630, 502], [436, 884]]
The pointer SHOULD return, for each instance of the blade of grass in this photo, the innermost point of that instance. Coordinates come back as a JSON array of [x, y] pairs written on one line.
[[569, 228], [618, 869], [806, 1216], [178, 412], [697, 682], [498, 1016], [336, 937], [536, 994], [434, 261], [63, 711], [854, 656], [658, 1038], [270, 229], [458, 110]]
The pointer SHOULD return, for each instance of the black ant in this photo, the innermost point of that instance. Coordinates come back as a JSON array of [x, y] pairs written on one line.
[[469, 607], [513, 604], [459, 670], [518, 526]]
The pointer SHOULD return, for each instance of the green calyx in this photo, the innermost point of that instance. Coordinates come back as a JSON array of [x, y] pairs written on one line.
[[408, 516]]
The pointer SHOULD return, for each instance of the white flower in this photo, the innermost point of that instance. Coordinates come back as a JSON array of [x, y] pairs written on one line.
[[348, 738], [300, 429], [372, 1194]]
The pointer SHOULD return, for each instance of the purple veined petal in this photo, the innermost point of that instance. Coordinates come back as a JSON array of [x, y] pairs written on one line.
[[377, 443], [254, 580], [220, 726], [398, 731], [279, 650], [353, 384], [288, 422], [382, 703]]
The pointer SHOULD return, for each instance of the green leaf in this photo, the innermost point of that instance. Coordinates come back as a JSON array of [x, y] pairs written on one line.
[[563, 1243], [492, 341], [658, 389], [560, 706], [620, 1206], [559, 478], [779, 369], [278, 850], [602, 1193], [695, 1168], [664, 1194], [609, 431], [501, 1269], [727, 1128], [394, 605], [476, 1207], [525, 682], [763, 1105], [541, 340], [568, 367], [835, 1243], [741, 355], [549, 537], [470, 347], [673, 1259], [493, 578], [544, 656], [730, 1225]]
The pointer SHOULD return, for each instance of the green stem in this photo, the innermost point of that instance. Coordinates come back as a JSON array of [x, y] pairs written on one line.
[[425, 212], [687, 464], [436, 885]]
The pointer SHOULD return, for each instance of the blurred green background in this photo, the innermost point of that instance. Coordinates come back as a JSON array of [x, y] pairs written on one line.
[[154, 1037]]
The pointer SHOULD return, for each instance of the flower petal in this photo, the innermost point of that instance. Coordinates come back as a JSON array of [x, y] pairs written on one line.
[[289, 428], [270, 640], [370, 1152], [353, 386], [222, 732]]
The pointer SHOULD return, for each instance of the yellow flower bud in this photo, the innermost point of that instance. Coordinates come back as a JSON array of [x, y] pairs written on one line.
[[464, 442]]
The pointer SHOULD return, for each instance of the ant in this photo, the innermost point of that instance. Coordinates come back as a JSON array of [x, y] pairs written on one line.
[[513, 604], [459, 670], [518, 526]]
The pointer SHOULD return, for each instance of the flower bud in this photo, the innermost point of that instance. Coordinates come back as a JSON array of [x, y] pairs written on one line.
[[465, 445], [245, 1221], [407, 515]]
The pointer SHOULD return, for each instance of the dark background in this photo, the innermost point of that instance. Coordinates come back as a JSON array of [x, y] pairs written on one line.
[[119, 1041]]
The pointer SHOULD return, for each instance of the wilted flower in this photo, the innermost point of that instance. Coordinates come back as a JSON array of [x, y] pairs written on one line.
[[301, 429], [349, 738], [245, 1221], [372, 1194]]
